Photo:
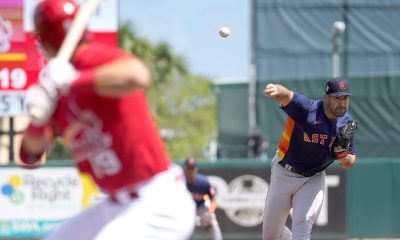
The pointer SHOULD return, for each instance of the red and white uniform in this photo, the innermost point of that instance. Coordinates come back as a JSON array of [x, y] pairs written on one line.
[[116, 141], [113, 139]]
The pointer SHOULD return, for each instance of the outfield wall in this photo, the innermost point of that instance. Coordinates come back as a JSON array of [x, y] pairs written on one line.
[[362, 202]]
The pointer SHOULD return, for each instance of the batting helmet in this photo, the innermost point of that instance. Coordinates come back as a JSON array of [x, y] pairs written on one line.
[[52, 19]]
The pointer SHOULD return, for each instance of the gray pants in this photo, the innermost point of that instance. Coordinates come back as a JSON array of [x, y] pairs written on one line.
[[209, 221], [291, 190]]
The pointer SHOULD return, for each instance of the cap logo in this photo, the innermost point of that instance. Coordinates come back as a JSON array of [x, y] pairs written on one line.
[[342, 85]]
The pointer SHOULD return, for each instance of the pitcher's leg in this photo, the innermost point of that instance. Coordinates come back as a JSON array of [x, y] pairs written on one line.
[[307, 204], [277, 204], [276, 212]]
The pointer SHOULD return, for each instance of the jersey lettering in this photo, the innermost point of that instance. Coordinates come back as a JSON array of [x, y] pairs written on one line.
[[332, 140], [323, 137], [317, 138], [306, 138]]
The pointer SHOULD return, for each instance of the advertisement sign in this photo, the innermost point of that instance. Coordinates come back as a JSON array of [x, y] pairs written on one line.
[[21, 57], [34, 202], [241, 194]]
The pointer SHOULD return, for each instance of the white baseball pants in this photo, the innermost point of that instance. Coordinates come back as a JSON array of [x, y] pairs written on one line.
[[164, 211]]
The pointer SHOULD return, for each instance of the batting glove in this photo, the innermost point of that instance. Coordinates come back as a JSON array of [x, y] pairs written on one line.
[[40, 104], [41, 99], [60, 74]]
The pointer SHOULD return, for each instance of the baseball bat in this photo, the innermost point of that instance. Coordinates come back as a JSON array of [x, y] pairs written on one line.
[[77, 28], [70, 42]]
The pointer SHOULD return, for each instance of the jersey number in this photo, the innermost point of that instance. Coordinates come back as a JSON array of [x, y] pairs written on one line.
[[105, 163]]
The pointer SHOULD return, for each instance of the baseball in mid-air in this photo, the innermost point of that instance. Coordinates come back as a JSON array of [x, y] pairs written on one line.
[[224, 31]]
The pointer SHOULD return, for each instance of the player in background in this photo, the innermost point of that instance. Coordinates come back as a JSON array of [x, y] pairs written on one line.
[[97, 104], [203, 195], [298, 176]]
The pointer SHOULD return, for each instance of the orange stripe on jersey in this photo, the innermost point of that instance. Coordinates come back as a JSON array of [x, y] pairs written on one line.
[[285, 140]]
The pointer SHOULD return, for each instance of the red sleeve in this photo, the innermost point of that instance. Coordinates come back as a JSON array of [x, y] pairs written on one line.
[[87, 59], [85, 82]]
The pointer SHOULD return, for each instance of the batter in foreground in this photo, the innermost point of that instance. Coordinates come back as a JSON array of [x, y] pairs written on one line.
[[97, 105]]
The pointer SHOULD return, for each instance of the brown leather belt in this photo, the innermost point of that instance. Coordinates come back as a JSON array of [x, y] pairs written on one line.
[[290, 168]]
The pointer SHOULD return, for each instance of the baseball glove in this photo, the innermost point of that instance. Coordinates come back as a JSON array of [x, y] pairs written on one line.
[[341, 145]]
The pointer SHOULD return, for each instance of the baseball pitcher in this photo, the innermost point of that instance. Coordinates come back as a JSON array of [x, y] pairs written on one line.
[[317, 133]]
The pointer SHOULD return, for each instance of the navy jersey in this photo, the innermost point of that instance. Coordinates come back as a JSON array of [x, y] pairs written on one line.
[[308, 135], [199, 188]]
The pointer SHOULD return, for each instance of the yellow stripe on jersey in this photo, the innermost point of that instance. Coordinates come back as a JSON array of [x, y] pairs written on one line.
[[285, 140]]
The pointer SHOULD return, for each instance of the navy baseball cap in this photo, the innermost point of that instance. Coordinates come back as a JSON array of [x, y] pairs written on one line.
[[190, 163], [337, 86]]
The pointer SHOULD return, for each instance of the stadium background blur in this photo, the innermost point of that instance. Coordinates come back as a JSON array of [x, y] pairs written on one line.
[[289, 42]]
